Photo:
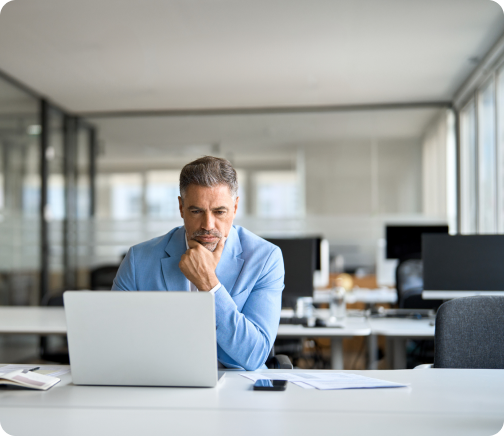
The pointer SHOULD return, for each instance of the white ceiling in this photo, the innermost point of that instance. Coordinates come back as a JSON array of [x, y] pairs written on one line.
[[113, 55]]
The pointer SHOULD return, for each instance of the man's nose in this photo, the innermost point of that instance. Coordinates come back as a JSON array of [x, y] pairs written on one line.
[[208, 222]]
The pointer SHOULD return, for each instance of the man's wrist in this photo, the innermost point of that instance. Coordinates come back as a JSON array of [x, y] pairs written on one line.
[[209, 285]]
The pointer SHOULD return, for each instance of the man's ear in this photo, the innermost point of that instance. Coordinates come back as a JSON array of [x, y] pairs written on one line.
[[181, 207], [236, 205]]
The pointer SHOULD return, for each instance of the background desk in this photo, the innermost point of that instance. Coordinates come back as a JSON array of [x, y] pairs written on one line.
[[353, 327], [32, 320], [437, 402], [397, 331]]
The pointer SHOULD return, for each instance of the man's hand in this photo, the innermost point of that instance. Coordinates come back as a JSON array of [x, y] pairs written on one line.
[[198, 264]]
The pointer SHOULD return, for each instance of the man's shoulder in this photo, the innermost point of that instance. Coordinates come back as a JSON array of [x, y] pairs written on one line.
[[251, 243]]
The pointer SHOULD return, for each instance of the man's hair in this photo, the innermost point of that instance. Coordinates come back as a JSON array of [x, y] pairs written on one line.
[[209, 171]]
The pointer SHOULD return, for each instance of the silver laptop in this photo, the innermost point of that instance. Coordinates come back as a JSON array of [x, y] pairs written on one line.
[[142, 338]]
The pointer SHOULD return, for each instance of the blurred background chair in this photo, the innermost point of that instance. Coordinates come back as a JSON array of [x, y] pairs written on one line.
[[102, 277], [470, 333], [409, 284], [278, 361]]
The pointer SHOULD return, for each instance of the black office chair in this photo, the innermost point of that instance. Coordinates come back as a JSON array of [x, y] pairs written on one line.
[[278, 361], [102, 277], [48, 352], [409, 284], [470, 333]]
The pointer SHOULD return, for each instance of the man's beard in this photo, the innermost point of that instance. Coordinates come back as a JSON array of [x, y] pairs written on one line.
[[210, 246]]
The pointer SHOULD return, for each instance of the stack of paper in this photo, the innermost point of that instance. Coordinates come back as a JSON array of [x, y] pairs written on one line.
[[326, 381]]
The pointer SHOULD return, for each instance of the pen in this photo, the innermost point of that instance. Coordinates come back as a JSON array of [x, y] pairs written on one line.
[[30, 369]]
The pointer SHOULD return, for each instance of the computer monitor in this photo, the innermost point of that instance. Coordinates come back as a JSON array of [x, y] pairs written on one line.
[[462, 265], [299, 256], [406, 240]]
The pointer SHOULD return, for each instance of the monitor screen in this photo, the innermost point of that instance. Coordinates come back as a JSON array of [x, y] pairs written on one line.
[[463, 262], [299, 256], [403, 241]]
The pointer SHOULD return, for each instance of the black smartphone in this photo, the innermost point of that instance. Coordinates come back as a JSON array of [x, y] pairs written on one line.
[[270, 385]]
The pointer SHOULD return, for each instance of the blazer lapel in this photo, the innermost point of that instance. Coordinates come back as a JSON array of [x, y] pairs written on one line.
[[230, 265], [176, 247]]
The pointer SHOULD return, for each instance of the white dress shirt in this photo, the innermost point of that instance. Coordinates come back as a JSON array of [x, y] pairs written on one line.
[[192, 286]]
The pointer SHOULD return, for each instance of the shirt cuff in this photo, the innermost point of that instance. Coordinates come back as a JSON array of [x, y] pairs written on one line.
[[215, 288]]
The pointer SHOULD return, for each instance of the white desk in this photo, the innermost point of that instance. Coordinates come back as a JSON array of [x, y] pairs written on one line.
[[397, 331], [437, 402], [32, 320], [353, 327], [51, 320], [360, 295]]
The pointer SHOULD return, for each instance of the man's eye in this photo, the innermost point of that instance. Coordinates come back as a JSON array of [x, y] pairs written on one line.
[[220, 212], [195, 211]]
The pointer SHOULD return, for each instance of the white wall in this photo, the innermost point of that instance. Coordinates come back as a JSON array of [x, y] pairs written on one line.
[[365, 177]]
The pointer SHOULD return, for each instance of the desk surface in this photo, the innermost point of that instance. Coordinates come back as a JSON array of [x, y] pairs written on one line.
[[437, 402], [402, 327], [51, 320], [32, 320], [352, 327]]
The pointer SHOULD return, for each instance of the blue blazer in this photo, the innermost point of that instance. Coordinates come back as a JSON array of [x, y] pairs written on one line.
[[247, 305]]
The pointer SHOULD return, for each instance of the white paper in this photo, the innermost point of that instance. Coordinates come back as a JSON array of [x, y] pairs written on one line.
[[326, 381], [303, 385]]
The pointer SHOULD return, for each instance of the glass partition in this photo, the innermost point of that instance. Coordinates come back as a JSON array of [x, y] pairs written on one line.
[[19, 196]]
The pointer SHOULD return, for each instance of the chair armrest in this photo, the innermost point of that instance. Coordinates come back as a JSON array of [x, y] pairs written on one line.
[[281, 361], [424, 366]]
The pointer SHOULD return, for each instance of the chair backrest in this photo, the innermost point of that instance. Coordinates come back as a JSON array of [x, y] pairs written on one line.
[[470, 333], [409, 284], [102, 277]]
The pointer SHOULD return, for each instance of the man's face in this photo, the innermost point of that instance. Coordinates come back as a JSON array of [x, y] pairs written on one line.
[[208, 214]]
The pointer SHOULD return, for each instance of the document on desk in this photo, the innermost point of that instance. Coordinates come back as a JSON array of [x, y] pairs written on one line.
[[329, 381], [52, 371]]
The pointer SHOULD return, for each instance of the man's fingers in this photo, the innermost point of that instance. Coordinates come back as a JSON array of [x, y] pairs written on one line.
[[192, 243], [220, 246]]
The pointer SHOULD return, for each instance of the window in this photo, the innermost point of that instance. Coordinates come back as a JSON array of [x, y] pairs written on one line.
[[500, 150], [468, 169], [487, 207], [162, 194], [126, 196], [277, 194]]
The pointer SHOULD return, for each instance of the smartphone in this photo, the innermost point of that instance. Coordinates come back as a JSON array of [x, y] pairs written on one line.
[[270, 385]]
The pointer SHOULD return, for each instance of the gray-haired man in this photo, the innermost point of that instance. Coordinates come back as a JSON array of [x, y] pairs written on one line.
[[210, 254]]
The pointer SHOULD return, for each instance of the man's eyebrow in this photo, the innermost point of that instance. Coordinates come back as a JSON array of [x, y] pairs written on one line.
[[195, 208], [220, 208]]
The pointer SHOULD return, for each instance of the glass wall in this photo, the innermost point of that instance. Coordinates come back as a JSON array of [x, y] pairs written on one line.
[[19, 196], [45, 198]]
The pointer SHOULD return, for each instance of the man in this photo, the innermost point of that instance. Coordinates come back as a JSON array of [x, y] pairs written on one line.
[[210, 254]]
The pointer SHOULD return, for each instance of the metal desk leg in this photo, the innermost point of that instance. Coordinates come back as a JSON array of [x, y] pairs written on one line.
[[399, 353], [372, 351], [337, 353]]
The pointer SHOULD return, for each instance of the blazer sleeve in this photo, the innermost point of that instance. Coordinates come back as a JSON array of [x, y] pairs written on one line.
[[247, 336], [125, 277]]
